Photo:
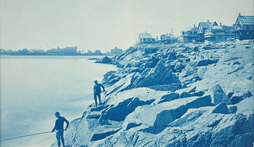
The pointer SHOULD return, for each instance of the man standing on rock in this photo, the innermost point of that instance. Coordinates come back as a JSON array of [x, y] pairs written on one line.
[[97, 91], [59, 125]]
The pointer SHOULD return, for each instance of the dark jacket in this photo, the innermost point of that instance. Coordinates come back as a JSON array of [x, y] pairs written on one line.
[[97, 88], [59, 124]]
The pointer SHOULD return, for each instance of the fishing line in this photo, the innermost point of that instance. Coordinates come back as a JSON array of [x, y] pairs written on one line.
[[25, 136]]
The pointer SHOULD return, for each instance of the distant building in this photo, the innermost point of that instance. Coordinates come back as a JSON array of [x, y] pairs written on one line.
[[63, 51], [97, 52], [116, 51], [37, 51], [202, 27], [190, 35], [146, 38], [244, 27], [168, 38], [89, 52]]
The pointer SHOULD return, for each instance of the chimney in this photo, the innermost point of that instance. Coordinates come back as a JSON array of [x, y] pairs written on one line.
[[220, 24], [208, 20], [194, 25], [239, 14]]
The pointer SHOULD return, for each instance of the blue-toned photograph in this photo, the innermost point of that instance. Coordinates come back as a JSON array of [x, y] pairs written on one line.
[[127, 73]]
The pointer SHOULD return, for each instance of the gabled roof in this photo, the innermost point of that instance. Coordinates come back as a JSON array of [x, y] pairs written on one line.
[[206, 25], [217, 28], [245, 20], [145, 35], [189, 29]]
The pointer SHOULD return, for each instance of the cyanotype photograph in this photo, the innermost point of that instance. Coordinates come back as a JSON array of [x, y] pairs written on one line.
[[127, 73]]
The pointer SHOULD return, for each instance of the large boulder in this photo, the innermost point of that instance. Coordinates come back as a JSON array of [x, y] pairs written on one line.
[[102, 135], [157, 117], [237, 98], [190, 116], [120, 111], [221, 108], [218, 95], [105, 60], [196, 102], [159, 75], [168, 97], [122, 84], [132, 125], [163, 118], [246, 106], [110, 78], [206, 62]]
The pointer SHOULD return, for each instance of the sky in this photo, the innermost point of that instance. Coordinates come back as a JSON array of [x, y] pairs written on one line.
[[105, 24]]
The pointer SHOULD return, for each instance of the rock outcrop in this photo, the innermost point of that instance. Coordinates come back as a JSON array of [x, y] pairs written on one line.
[[105, 60], [174, 95]]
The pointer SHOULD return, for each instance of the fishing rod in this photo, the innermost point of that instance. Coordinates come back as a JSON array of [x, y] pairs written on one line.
[[25, 136], [88, 95]]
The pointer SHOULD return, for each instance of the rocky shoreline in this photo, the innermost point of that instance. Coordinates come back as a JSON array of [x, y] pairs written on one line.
[[174, 95]]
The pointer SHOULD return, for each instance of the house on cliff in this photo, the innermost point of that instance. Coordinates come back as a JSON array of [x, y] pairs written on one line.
[[202, 27], [146, 38], [244, 27], [219, 33], [190, 35], [168, 38], [116, 51], [229, 31]]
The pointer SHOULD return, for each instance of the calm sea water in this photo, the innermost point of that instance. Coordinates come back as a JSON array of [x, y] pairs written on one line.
[[34, 88]]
